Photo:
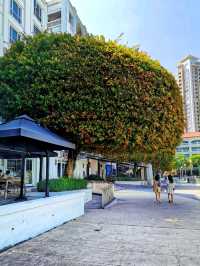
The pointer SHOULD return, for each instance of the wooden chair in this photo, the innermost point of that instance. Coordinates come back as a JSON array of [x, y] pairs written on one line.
[[11, 184]]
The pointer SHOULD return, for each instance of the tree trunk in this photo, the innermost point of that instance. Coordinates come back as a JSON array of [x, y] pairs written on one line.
[[99, 168], [88, 168], [71, 162], [117, 169], [135, 170]]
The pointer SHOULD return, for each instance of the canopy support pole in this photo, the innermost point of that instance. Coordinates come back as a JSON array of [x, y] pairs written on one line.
[[21, 195], [88, 168], [47, 176], [41, 167], [99, 167]]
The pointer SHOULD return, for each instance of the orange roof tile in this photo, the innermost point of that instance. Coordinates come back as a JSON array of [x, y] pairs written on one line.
[[188, 135]]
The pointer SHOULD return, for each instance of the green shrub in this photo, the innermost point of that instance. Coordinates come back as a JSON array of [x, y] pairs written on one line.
[[62, 184]]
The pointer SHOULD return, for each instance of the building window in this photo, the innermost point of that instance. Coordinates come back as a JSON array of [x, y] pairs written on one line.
[[59, 169], [195, 141], [29, 171], [14, 166], [16, 11], [36, 30], [54, 21], [71, 22], [196, 149], [180, 149], [14, 35], [54, 16], [37, 10], [63, 168], [70, 18]]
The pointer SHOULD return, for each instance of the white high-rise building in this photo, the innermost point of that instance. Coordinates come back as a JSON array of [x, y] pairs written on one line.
[[20, 17], [189, 83], [29, 17], [62, 17]]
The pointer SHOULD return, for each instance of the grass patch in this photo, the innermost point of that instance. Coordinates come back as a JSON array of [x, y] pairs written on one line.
[[62, 184]]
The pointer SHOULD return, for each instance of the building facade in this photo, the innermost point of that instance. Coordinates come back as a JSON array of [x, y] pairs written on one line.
[[62, 17], [19, 18], [89, 164], [189, 83], [190, 144], [57, 168]]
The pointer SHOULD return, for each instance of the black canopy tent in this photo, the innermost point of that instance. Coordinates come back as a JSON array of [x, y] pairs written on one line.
[[23, 138]]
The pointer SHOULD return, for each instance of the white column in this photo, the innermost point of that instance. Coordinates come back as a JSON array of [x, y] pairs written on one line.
[[149, 172], [65, 15]]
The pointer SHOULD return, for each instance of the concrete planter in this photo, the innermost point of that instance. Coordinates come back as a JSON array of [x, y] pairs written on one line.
[[106, 189], [24, 220], [87, 194]]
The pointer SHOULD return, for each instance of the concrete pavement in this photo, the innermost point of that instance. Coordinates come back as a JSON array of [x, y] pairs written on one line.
[[135, 231]]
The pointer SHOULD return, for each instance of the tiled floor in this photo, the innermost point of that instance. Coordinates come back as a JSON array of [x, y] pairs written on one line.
[[133, 232]]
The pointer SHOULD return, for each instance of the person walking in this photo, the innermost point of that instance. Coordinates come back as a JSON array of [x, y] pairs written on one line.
[[157, 188], [170, 189]]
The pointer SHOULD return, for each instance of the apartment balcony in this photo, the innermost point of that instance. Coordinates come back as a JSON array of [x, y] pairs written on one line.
[[184, 144], [56, 29], [54, 23]]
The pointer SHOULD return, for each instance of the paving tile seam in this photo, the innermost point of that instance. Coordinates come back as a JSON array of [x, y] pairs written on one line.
[[143, 226], [146, 253]]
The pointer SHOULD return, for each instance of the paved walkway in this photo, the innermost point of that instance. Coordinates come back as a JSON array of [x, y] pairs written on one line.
[[135, 231]]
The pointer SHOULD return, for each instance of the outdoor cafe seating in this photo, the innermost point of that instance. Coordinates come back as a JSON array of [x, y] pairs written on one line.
[[23, 138], [9, 184]]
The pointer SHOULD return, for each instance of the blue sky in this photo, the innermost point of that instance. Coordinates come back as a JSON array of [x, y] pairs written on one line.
[[168, 30]]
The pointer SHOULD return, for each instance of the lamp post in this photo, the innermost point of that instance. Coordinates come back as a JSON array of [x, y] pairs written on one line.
[[181, 169], [185, 169]]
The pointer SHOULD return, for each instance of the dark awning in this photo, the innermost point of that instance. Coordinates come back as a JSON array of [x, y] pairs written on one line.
[[24, 126], [24, 138], [12, 153]]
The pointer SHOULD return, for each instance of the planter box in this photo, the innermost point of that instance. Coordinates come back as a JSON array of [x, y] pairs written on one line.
[[24, 220], [87, 194], [105, 189]]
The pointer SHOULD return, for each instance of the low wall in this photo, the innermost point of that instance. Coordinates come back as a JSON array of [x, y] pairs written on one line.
[[87, 194], [24, 220], [107, 195], [135, 183], [105, 189]]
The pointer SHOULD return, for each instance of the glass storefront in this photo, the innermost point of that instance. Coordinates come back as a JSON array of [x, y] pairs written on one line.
[[14, 166], [61, 168], [29, 171]]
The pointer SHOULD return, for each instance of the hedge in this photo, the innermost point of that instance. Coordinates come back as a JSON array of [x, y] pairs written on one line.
[[62, 184]]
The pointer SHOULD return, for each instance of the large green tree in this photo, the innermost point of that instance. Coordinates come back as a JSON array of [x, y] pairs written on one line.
[[195, 161], [178, 163], [105, 97]]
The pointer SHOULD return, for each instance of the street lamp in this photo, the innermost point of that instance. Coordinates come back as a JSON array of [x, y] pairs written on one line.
[[181, 168]]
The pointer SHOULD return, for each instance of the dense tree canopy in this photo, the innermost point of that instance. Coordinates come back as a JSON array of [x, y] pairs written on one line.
[[105, 97]]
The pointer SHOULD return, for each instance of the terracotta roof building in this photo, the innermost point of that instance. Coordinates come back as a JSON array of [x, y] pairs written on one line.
[[190, 144]]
